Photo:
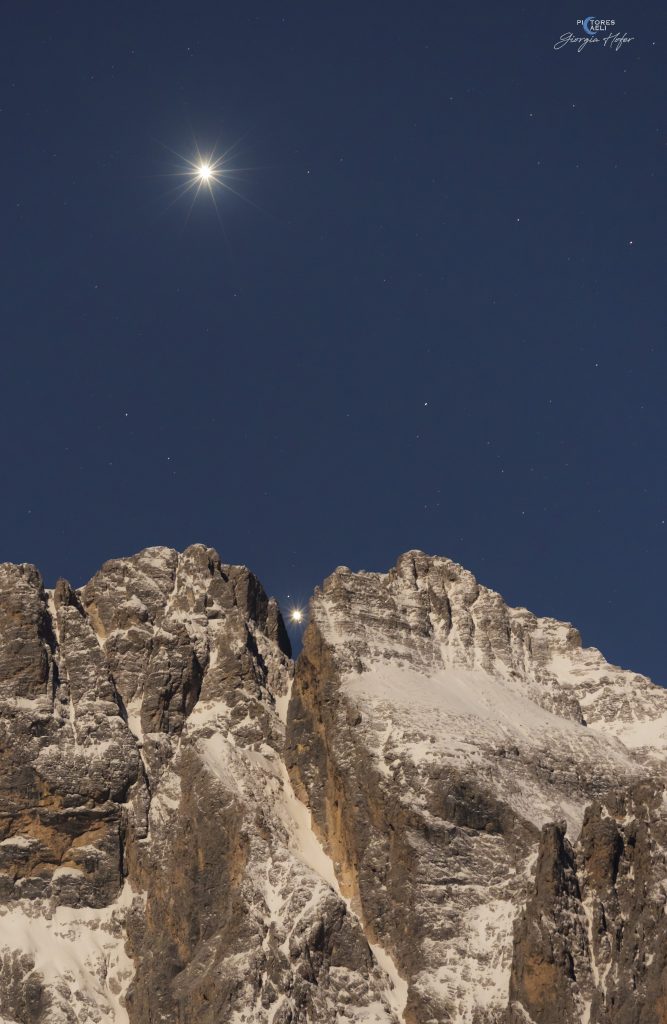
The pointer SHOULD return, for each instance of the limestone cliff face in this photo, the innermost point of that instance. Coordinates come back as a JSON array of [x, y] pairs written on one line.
[[434, 733], [154, 863], [71, 776], [591, 942], [488, 839]]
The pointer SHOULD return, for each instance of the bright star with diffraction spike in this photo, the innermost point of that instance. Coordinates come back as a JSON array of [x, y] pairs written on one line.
[[206, 170]]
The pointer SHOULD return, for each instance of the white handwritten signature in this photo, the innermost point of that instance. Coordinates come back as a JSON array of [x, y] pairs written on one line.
[[615, 40]]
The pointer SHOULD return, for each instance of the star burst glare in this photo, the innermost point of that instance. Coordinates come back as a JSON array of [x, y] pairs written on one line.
[[206, 172], [212, 171]]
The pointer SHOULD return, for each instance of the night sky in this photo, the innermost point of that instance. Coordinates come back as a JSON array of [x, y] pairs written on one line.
[[430, 314]]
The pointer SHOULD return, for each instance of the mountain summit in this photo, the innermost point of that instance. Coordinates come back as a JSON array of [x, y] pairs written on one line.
[[447, 810]]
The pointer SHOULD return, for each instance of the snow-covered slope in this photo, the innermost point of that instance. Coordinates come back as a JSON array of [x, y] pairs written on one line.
[[434, 732]]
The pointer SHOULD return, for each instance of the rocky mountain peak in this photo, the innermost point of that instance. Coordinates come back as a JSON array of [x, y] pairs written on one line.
[[448, 810]]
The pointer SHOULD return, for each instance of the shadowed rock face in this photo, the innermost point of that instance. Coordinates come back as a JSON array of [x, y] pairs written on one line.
[[487, 790], [551, 972], [590, 944]]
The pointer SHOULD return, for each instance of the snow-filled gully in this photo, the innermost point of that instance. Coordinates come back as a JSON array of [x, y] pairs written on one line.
[[311, 851]]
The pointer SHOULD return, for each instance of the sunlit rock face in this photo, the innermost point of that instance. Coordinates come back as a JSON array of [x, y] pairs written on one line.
[[488, 834], [434, 733], [154, 863]]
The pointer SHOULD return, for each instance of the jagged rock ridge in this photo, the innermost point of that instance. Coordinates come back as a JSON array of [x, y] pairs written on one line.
[[488, 826]]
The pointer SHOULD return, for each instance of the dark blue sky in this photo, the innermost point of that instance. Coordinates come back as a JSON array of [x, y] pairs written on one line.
[[435, 319]]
